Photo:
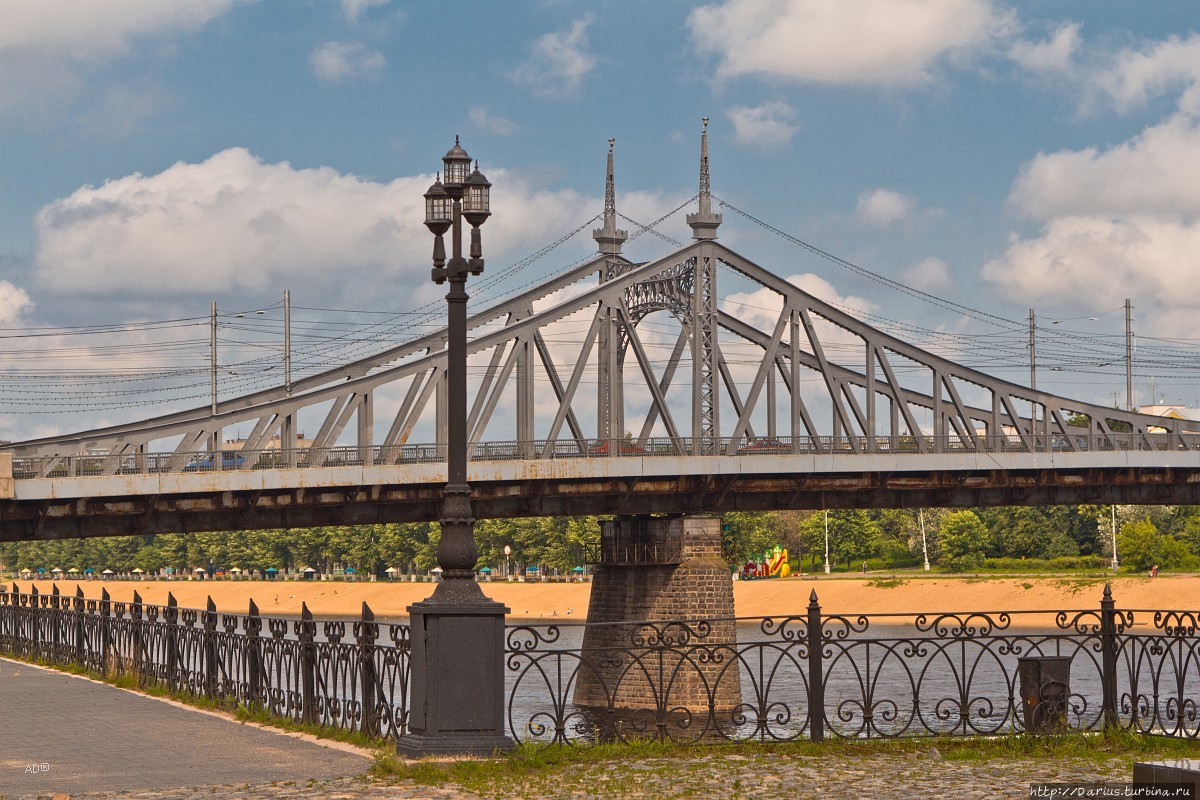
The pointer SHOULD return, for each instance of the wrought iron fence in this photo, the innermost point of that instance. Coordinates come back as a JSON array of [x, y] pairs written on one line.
[[852, 676], [297, 669], [782, 678]]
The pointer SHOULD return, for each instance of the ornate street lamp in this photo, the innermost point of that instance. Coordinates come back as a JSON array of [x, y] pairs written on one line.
[[457, 700]]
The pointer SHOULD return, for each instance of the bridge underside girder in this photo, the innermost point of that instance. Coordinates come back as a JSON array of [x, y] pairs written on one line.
[[689, 494]]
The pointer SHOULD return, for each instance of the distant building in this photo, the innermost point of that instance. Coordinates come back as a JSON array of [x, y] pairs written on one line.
[[1171, 412], [233, 445]]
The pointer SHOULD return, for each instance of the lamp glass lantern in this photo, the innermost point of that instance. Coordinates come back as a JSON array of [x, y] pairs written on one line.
[[439, 208], [456, 165], [476, 198]]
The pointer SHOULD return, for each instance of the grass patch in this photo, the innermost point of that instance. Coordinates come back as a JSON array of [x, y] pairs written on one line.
[[530, 765], [886, 583]]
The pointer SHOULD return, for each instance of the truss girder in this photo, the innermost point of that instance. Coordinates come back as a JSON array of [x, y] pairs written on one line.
[[684, 284]]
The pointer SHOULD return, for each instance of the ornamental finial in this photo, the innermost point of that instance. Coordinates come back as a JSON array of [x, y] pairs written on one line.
[[704, 223], [609, 238]]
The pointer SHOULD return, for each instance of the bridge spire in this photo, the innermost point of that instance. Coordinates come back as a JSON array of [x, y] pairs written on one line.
[[609, 238], [704, 223]]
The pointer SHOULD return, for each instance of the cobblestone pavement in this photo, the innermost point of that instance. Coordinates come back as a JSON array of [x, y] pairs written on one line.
[[885, 777], [68, 734]]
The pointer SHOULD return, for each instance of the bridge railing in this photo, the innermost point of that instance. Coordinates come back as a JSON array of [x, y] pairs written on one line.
[[297, 669], [98, 464], [854, 676]]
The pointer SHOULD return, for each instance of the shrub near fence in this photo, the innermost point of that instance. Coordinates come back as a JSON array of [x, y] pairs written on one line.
[[296, 669]]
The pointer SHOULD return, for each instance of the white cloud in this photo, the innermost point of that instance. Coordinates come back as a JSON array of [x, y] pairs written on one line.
[[1158, 171], [1136, 76], [883, 208], [1095, 261], [338, 62], [876, 42], [492, 123], [13, 301], [1119, 223], [45, 45], [1053, 55], [558, 62], [762, 126], [233, 223], [353, 8], [928, 275]]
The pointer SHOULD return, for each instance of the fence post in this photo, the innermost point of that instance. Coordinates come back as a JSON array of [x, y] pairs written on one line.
[[5, 613], [171, 662], [1108, 660], [35, 618], [138, 655], [109, 667], [816, 678], [209, 620], [55, 619], [367, 632], [254, 676], [80, 630], [306, 629]]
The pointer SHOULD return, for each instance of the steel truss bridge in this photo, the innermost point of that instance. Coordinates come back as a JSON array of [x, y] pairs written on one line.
[[825, 412]]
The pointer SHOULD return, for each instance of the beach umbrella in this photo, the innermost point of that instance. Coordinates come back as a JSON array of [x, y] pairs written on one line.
[[351, 571], [307, 569], [272, 570], [138, 571], [199, 570], [531, 568], [89, 571], [108, 572], [576, 569], [436, 569], [235, 569], [26, 571], [41, 571], [73, 569], [56, 569], [486, 570], [391, 570]]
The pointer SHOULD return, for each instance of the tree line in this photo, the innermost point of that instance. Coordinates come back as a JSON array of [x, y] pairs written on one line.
[[1168, 536]]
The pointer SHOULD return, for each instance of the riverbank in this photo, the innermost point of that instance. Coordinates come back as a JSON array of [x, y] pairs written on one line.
[[569, 601]]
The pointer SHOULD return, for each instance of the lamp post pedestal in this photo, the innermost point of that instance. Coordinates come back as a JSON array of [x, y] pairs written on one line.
[[457, 659]]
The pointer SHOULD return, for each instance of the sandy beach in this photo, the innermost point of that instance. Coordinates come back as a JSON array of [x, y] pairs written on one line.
[[569, 602]]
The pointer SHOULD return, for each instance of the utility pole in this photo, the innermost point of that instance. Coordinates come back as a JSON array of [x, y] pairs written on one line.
[[212, 354], [1032, 371], [287, 340], [1128, 355]]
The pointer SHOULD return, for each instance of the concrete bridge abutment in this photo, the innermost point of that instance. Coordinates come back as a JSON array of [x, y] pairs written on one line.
[[659, 651]]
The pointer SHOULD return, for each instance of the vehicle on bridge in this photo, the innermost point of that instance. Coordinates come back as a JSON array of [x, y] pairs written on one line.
[[206, 463], [765, 444]]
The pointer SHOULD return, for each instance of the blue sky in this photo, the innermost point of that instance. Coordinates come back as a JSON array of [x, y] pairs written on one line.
[[156, 156]]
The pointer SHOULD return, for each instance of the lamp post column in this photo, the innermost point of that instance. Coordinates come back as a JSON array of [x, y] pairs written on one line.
[[457, 633]]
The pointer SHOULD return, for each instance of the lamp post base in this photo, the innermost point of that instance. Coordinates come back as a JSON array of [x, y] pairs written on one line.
[[457, 701]]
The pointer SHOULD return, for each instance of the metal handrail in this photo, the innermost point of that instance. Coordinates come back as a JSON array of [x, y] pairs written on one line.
[[97, 464]]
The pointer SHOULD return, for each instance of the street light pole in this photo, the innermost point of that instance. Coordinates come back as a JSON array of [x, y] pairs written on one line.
[[826, 541], [1115, 563], [924, 544], [457, 701]]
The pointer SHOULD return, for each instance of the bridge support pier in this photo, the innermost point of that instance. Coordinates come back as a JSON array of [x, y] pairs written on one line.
[[663, 662]]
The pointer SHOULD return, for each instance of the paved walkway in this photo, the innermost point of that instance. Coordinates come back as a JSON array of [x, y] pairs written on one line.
[[70, 735], [76, 738]]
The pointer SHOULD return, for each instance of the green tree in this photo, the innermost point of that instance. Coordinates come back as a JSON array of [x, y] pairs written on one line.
[[747, 535], [1142, 545], [964, 540]]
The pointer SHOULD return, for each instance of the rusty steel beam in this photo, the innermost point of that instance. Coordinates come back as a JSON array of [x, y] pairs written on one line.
[[306, 507]]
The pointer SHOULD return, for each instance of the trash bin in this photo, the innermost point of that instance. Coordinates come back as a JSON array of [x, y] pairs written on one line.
[[1045, 689]]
